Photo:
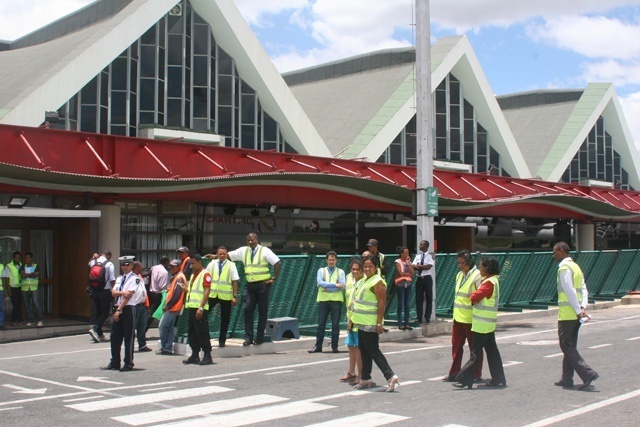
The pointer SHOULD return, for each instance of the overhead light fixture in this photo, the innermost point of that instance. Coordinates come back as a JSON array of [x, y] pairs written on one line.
[[273, 209], [295, 211], [17, 202], [229, 210], [255, 212]]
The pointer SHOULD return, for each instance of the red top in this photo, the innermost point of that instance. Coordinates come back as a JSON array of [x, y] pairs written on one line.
[[484, 291]]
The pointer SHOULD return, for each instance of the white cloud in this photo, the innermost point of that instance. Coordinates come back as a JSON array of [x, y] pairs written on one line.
[[631, 107], [620, 73], [20, 17], [255, 11], [591, 36]]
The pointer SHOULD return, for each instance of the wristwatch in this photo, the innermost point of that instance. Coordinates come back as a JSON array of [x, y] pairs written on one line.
[[379, 324]]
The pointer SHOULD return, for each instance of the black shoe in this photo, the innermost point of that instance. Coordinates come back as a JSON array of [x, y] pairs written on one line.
[[111, 367], [246, 343], [259, 341], [126, 368], [463, 385], [496, 384], [477, 380], [335, 350], [164, 352], [564, 384], [193, 360], [206, 360], [315, 349], [221, 344], [144, 349], [588, 382]]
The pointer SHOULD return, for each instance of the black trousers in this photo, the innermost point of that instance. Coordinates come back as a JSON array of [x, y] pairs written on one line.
[[369, 344], [572, 361], [488, 343], [102, 302], [123, 331], [255, 293], [155, 299], [225, 316], [199, 331], [424, 291], [16, 302]]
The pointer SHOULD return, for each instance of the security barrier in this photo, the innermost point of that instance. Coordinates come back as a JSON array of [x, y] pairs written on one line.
[[527, 279]]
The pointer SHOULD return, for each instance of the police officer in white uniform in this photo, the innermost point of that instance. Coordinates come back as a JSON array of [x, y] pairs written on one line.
[[128, 292]]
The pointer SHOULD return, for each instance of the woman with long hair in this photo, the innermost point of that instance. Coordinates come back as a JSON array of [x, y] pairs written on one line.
[[404, 284], [353, 280]]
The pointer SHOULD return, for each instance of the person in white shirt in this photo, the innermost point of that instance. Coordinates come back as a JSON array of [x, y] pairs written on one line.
[[129, 291], [224, 289], [423, 265], [256, 259], [158, 282], [102, 297], [573, 298]]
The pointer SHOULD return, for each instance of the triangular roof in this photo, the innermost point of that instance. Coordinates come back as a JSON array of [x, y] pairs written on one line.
[[42, 77], [360, 109]]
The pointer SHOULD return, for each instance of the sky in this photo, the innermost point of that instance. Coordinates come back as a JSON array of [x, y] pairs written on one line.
[[521, 45]]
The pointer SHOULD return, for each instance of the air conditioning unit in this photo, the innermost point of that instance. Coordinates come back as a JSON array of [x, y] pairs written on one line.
[[176, 10]]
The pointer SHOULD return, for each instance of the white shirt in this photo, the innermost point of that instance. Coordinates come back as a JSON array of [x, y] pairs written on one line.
[[131, 282], [267, 254], [214, 266], [566, 283], [159, 279], [428, 260]]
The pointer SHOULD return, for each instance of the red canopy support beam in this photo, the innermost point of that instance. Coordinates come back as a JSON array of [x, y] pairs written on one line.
[[213, 162], [344, 169], [33, 153], [408, 176], [154, 157], [298, 162], [381, 176], [524, 186], [446, 185], [255, 159], [474, 187], [499, 186], [98, 158], [620, 201]]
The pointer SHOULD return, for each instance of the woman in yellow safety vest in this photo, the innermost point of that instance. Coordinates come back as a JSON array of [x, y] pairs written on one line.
[[483, 325], [368, 313], [353, 280]]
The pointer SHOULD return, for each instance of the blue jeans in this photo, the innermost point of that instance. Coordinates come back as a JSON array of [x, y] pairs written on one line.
[[29, 297], [1, 310], [140, 324], [167, 329], [324, 309], [404, 301]]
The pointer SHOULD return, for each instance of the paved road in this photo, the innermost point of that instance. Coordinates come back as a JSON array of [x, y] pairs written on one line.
[[57, 382]]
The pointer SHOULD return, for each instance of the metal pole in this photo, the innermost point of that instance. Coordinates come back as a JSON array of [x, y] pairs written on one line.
[[424, 129]]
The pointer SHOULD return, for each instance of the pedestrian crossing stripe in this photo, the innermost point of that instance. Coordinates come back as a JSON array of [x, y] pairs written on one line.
[[369, 419], [199, 409], [142, 399]]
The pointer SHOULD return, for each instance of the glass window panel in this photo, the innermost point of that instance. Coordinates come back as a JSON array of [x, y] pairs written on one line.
[[468, 130], [441, 148], [225, 63], [174, 82], [119, 74], [118, 130], [455, 141], [248, 137], [147, 94], [161, 64], [187, 115], [104, 120], [175, 24], [148, 61], [441, 101], [410, 149], [454, 118], [88, 118], [149, 37], [104, 89], [200, 124], [494, 157], [200, 102], [90, 92], [201, 39], [270, 128], [395, 152], [468, 110], [133, 77], [161, 98], [248, 108], [441, 125], [146, 117], [118, 108], [224, 123], [133, 109], [200, 71], [174, 54], [225, 87], [174, 112], [468, 154], [454, 94]]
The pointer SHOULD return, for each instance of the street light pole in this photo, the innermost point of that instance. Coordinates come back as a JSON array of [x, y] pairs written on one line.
[[424, 132]]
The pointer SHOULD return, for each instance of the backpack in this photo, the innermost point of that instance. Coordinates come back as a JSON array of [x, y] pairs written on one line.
[[97, 278]]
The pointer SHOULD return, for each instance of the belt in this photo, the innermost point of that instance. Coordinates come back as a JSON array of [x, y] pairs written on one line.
[[138, 305]]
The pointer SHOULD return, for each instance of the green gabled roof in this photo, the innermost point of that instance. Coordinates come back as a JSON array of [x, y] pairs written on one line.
[[575, 125]]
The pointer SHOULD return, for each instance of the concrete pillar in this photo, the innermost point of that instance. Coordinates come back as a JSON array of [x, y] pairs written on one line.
[[585, 236], [109, 229]]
